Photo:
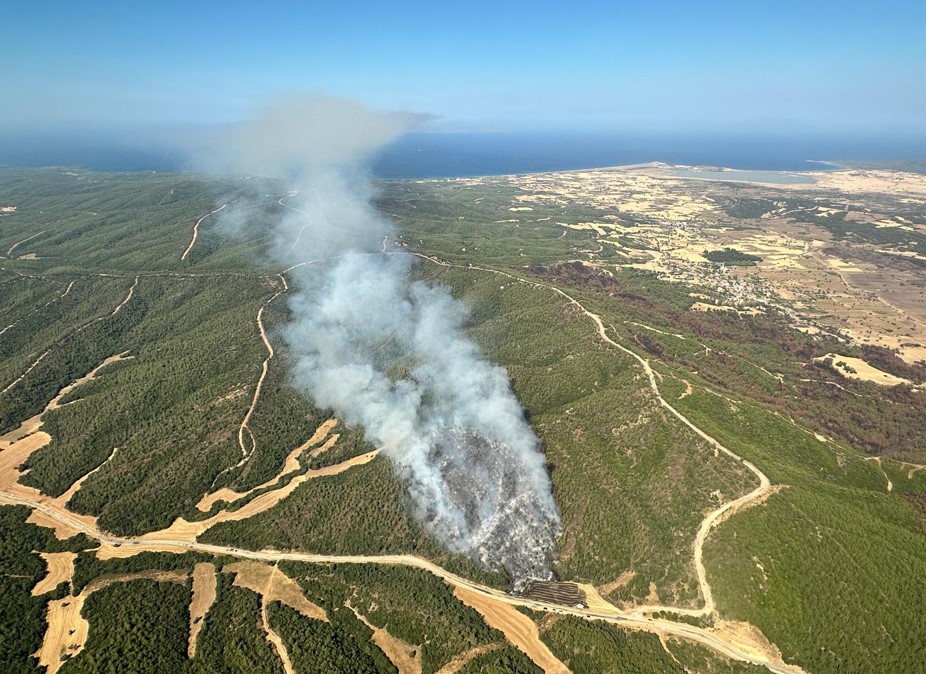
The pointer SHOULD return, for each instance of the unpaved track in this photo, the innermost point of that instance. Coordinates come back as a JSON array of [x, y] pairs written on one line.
[[78, 330], [16, 445], [125, 301], [131, 546], [196, 230], [74, 488], [713, 517], [189, 530], [28, 370], [913, 468], [877, 459], [272, 636], [637, 619], [463, 659], [405, 656], [260, 381], [16, 245], [67, 630], [265, 366], [274, 585], [38, 309]]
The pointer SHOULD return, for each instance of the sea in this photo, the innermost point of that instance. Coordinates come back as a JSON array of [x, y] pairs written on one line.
[[447, 155]]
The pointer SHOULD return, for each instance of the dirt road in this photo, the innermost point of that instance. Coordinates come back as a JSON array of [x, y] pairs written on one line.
[[196, 230], [632, 620], [713, 517], [265, 366], [639, 618]]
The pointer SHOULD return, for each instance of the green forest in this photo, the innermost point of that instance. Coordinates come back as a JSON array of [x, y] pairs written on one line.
[[160, 428]]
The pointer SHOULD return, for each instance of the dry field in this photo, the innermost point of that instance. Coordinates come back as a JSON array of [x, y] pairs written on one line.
[[204, 587], [273, 585], [517, 628], [60, 570]]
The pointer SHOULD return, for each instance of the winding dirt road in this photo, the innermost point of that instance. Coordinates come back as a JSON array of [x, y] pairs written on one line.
[[196, 230], [631, 620], [760, 492], [639, 618], [184, 539], [265, 366], [38, 309], [16, 245]]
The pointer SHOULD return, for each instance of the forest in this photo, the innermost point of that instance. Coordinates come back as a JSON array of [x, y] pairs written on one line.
[[633, 484]]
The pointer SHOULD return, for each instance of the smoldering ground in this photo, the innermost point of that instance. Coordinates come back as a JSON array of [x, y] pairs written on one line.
[[389, 354]]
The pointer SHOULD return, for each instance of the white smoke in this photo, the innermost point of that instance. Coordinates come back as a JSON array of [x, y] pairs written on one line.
[[390, 355]]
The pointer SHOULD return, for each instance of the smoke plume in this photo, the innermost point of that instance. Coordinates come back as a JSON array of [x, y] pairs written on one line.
[[390, 355]]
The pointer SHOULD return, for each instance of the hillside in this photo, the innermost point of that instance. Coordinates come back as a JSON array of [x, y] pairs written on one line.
[[736, 449]]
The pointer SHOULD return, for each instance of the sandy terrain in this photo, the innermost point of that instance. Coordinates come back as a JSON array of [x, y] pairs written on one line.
[[627, 619], [18, 444], [204, 584], [61, 530], [703, 306], [188, 531], [848, 181], [622, 191], [405, 657], [271, 583], [60, 570], [803, 273], [594, 599], [517, 628], [275, 639], [12, 454], [865, 181], [495, 606], [748, 638]]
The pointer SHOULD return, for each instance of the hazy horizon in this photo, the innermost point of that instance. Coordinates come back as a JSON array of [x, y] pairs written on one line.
[[443, 154], [826, 68]]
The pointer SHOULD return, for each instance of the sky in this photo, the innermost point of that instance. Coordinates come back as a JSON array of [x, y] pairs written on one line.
[[783, 66]]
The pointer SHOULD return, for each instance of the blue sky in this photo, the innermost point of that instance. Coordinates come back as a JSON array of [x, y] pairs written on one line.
[[616, 66]]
